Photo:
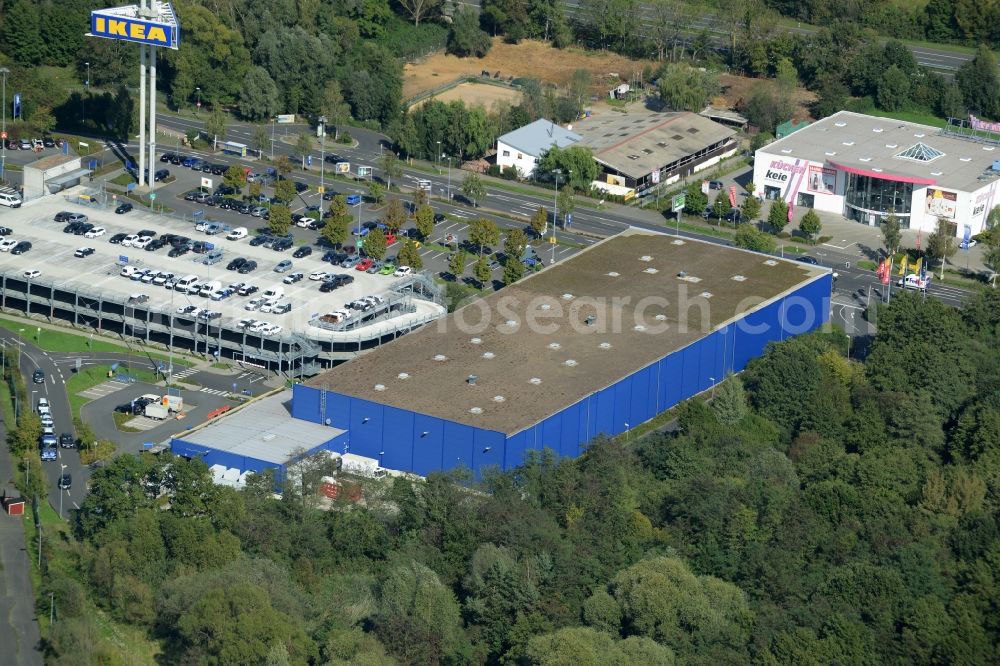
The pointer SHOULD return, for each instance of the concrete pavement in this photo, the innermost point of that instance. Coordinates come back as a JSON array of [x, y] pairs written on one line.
[[19, 633]]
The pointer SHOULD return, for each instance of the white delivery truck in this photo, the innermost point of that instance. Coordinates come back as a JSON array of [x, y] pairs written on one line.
[[174, 403], [351, 463], [238, 233], [155, 410]]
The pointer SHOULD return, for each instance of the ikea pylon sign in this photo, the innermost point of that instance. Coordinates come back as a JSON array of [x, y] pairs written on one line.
[[125, 24]]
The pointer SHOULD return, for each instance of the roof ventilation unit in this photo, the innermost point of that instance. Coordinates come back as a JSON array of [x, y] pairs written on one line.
[[645, 257], [677, 241], [613, 274], [605, 345], [739, 278], [489, 355], [706, 294], [498, 398], [651, 270], [471, 380], [567, 297], [639, 327], [770, 262], [544, 306], [475, 410], [554, 345], [535, 380], [660, 317], [380, 387], [589, 320], [403, 375], [569, 363], [440, 357], [511, 323], [476, 341]]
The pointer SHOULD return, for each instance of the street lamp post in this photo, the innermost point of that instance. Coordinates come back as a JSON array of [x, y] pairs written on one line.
[[61, 472], [3, 150], [197, 89], [322, 159], [555, 213], [449, 177], [83, 101], [437, 159]]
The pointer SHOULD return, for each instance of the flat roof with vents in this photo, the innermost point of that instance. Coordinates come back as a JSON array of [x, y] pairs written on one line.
[[893, 148], [640, 141], [506, 354]]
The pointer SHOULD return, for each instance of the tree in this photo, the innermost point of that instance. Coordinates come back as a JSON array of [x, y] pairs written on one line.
[[282, 165], [419, 197], [750, 208], [456, 264], [424, 219], [376, 192], [336, 110], [409, 255], [284, 190], [893, 89], [21, 33], [891, 234], [730, 403], [395, 215], [235, 177], [576, 165], [684, 88], [584, 646], [777, 217], [810, 224], [566, 200], [280, 220], [481, 271], [304, 145], [335, 230], [473, 188], [832, 96], [389, 163], [751, 238], [979, 82], [513, 270], [695, 201], [255, 190], [418, 618], [24, 438], [375, 245], [420, 9], [260, 140], [484, 233], [259, 98], [991, 252], [215, 124], [514, 244], [539, 221], [466, 38], [941, 244], [722, 205]]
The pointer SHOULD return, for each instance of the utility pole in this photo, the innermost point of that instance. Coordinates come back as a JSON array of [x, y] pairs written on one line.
[[322, 161], [3, 150]]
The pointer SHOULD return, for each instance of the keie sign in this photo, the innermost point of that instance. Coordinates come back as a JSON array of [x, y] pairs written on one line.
[[780, 171]]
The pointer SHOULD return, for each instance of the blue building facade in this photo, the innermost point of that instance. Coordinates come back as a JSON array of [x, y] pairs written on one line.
[[414, 442]]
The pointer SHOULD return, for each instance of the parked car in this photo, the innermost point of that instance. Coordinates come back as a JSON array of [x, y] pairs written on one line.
[[161, 175], [248, 267], [117, 238], [67, 441], [387, 269], [32, 273], [292, 278], [236, 264], [96, 232], [283, 265], [123, 208], [65, 481], [364, 264], [83, 252], [403, 271], [303, 251]]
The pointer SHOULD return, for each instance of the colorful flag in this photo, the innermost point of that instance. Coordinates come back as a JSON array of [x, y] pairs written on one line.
[[902, 266], [732, 196], [880, 270], [915, 268], [887, 271], [919, 233]]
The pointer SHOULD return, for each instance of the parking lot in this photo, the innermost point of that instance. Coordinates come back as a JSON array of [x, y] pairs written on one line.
[[52, 256], [435, 259]]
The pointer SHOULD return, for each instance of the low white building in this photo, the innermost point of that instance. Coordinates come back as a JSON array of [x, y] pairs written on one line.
[[865, 168], [52, 174], [523, 147]]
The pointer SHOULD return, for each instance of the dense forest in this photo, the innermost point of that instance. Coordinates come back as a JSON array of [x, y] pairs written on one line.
[[818, 510]]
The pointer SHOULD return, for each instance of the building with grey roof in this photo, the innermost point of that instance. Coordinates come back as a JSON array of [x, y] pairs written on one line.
[[641, 148], [866, 167], [523, 147]]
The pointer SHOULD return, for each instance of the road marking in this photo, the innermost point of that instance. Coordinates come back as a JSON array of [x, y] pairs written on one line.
[[212, 391]]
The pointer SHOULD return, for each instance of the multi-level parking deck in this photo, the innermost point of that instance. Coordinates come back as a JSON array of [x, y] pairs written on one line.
[[90, 292]]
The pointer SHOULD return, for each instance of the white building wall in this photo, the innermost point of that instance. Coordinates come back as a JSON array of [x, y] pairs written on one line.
[[508, 156]]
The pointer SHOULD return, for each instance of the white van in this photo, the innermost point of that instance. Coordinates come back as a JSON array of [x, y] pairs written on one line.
[[207, 288], [182, 285], [10, 197], [128, 271], [239, 233], [273, 294]]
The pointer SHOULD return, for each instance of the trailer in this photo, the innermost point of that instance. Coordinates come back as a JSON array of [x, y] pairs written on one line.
[[156, 411], [352, 463]]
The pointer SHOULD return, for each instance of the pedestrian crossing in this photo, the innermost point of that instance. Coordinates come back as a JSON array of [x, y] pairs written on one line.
[[212, 391], [187, 372]]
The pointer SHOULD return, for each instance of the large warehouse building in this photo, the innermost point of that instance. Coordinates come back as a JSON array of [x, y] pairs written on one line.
[[597, 344], [865, 168]]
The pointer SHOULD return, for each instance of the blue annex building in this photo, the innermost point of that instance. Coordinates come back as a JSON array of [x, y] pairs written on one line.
[[594, 345]]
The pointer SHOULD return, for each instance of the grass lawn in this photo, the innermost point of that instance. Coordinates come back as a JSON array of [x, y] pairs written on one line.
[[910, 117], [121, 420], [123, 179], [68, 341], [867, 265]]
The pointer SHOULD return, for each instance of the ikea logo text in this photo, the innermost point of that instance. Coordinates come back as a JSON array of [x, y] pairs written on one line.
[[135, 31]]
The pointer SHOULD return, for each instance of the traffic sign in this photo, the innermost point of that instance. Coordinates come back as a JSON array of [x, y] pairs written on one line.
[[552, 240], [122, 259], [3, 135], [321, 189], [677, 202], [152, 196], [654, 177]]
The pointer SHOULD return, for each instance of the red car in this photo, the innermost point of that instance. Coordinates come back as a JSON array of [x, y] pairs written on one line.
[[390, 238], [364, 264]]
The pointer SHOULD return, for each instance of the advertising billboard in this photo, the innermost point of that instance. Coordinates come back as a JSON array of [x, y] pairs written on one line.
[[941, 204], [822, 180], [125, 24]]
